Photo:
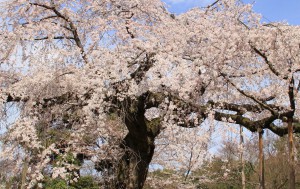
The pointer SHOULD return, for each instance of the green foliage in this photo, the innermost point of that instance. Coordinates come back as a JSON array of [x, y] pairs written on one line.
[[57, 184], [68, 158], [86, 182], [165, 173], [211, 174], [220, 174]]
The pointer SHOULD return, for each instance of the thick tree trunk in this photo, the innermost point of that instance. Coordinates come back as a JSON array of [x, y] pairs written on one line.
[[139, 148], [261, 160], [133, 167], [291, 154]]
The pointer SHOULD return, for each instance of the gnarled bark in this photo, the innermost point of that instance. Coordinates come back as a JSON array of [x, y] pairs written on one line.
[[138, 145]]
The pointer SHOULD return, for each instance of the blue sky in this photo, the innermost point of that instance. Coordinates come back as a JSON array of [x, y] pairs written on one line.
[[272, 10]]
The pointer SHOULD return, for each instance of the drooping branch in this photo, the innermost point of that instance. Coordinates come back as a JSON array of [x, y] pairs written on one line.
[[258, 101], [11, 98], [56, 37], [251, 125], [238, 119], [264, 56], [266, 123], [239, 108], [244, 75], [151, 99], [281, 131], [73, 28]]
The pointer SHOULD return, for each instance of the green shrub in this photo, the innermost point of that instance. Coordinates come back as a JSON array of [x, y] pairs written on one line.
[[57, 184], [86, 182]]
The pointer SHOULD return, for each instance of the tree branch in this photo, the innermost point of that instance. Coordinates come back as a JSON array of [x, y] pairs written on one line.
[[56, 37], [264, 105], [264, 56], [72, 27], [291, 94]]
